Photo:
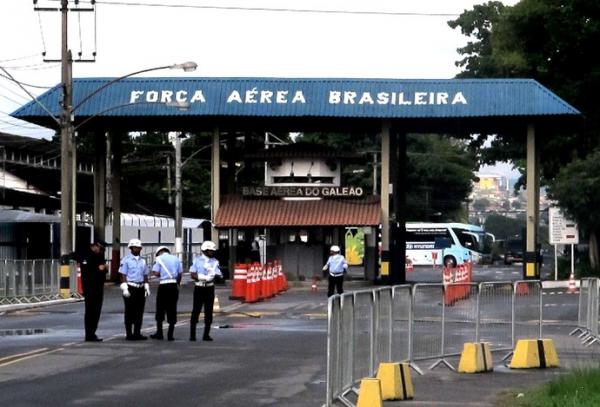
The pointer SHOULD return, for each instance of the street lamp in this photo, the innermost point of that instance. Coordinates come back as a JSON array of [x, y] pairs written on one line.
[[67, 129]]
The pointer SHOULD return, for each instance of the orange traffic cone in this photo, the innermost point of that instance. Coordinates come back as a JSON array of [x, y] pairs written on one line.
[[572, 286], [522, 288]]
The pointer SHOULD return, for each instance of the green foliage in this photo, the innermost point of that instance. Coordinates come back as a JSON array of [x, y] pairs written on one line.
[[358, 174], [503, 227], [552, 41], [579, 388], [439, 170], [477, 24], [439, 177], [481, 204], [578, 188]]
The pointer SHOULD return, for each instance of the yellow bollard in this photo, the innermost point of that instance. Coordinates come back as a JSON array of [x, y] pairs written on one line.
[[533, 353], [396, 383], [476, 358], [370, 393], [65, 276]]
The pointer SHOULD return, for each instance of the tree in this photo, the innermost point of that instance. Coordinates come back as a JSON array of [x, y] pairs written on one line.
[[554, 42], [502, 227], [440, 174], [439, 171], [578, 186], [481, 205]]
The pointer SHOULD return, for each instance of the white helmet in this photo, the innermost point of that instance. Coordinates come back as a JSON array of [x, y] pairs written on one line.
[[335, 248], [208, 245], [161, 248], [135, 243]]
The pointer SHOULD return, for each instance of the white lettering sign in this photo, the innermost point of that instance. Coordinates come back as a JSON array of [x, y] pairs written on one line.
[[337, 97], [259, 96]]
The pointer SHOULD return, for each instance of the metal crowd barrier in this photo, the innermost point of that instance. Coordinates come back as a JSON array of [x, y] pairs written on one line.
[[27, 281], [424, 322], [587, 315]]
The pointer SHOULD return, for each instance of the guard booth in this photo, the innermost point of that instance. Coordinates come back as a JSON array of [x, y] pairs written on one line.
[[301, 208], [107, 107]]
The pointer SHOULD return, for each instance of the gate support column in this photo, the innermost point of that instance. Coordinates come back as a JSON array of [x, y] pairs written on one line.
[[385, 202], [99, 185], [530, 263], [215, 184]]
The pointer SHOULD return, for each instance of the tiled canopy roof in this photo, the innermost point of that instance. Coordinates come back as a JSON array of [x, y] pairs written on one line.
[[235, 211]]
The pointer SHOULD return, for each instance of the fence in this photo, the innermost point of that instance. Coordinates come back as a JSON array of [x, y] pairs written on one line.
[[27, 281], [417, 323], [587, 315]]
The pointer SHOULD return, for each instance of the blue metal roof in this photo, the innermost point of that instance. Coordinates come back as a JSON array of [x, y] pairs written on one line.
[[279, 97]]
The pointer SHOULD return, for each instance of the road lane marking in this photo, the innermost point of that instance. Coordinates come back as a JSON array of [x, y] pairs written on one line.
[[22, 354], [31, 357]]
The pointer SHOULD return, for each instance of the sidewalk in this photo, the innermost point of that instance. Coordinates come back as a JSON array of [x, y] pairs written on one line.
[[442, 387]]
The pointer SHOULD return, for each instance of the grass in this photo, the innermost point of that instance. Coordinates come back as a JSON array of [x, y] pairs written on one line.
[[580, 388]]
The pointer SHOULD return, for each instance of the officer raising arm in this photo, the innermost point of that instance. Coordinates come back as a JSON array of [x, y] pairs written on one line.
[[203, 271], [135, 287], [168, 269], [337, 266]]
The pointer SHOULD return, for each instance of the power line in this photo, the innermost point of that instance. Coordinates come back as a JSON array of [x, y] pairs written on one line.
[[276, 9], [18, 58], [12, 100], [32, 67], [24, 83], [14, 93]]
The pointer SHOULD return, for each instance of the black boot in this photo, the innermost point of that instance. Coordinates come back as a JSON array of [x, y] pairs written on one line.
[[128, 334], [206, 336], [159, 331], [170, 332], [137, 335], [192, 332]]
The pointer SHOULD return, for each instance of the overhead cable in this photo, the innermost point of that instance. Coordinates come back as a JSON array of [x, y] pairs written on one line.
[[276, 9]]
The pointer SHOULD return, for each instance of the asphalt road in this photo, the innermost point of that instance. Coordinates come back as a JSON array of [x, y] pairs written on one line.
[[267, 354]]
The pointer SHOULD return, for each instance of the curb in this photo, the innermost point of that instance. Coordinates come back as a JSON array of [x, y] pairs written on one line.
[[18, 307]]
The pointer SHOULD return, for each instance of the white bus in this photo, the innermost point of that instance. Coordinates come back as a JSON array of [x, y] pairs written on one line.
[[467, 242]]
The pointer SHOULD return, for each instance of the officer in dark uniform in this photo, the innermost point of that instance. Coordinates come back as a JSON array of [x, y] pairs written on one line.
[[93, 275]]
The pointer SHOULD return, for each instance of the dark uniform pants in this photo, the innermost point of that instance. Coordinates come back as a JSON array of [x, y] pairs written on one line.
[[134, 308], [204, 297], [93, 307], [166, 303], [335, 282]]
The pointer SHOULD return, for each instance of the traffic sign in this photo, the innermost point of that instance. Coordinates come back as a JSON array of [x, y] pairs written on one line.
[[562, 229]]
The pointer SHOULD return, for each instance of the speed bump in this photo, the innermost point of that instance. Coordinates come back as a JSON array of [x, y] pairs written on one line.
[[534, 353], [396, 383], [370, 393], [476, 357]]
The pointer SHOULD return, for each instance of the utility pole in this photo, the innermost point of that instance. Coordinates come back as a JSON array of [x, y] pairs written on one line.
[[178, 217], [169, 186], [67, 146], [66, 213]]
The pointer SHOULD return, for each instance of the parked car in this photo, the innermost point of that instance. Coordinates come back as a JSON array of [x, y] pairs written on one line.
[[513, 252]]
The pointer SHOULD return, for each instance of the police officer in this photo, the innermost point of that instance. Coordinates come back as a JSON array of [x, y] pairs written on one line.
[[93, 275], [135, 287], [168, 269], [203, 271], [337, 266]]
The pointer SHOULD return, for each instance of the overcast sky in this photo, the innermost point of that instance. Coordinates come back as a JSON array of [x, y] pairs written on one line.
[[270, 38]]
